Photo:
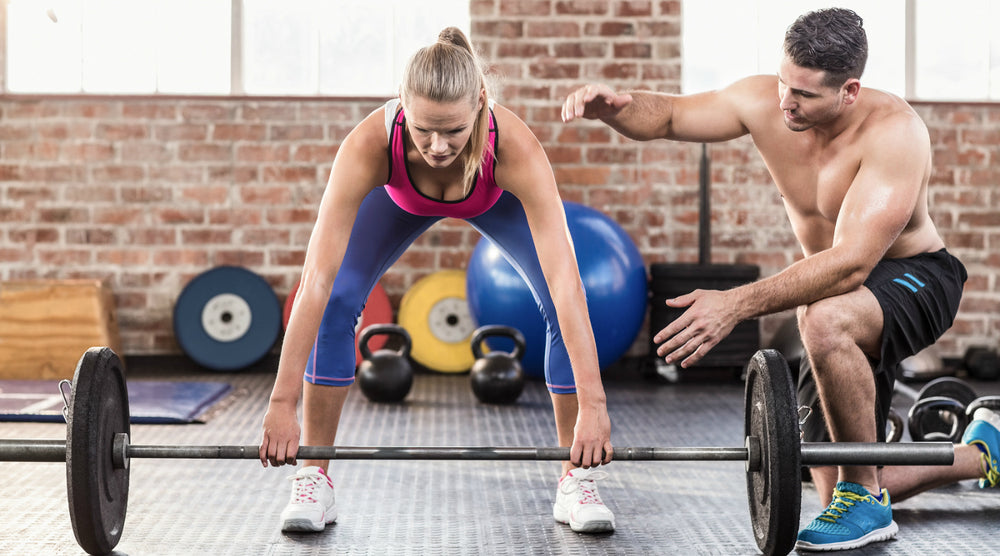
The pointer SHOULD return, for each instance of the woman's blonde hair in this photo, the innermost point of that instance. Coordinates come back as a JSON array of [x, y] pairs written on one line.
[[449, 71]]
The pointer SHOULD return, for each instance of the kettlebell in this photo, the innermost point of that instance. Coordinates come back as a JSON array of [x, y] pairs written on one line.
[[386, 375], [497, 377]]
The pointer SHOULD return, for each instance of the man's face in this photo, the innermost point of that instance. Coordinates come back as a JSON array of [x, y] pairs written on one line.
[[803, 97]]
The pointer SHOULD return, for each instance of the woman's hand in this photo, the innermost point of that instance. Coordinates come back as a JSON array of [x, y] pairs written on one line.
[[279, 443]]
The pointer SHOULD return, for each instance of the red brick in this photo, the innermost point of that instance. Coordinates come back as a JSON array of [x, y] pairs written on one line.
[[122, 131], [296, 132], [145, 152], [268, 112], [11, 172], [265, 195], [239, 132], [632, 50], [181, 258], [91, 194], [124, 257], [204, 152], [246, 258], [263, 153], [552, 29], [265, 236], [290, 174], [149, 111], [64, 257], [33, 235], [118, 216], [291, 216], [85, 109], [206, 236], [152, 236], [610, 29], [323, 152], [118, 173], [15, 131], [180, 216], [502, 29], [634, 8], [205, 194], [582, 7], [522, 50], [525, 7], [581, 50], [180, 132], [146, 194], [87, 152], [236, 216], [63, 215], [210, 112]]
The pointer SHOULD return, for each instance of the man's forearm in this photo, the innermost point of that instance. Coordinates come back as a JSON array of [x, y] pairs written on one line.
[[647, 117]]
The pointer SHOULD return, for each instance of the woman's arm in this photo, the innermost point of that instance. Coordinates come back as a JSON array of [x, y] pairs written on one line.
[[361, 165], [524, 170]]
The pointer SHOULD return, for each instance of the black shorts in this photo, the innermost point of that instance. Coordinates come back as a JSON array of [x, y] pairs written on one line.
[[919, 297]]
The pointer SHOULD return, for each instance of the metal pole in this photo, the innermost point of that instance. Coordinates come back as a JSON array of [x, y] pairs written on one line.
[[32, 450], [437, 453], [813, 454], [884, 453]]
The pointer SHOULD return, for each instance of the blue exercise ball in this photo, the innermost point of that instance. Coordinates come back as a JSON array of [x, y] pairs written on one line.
[[613, 273]]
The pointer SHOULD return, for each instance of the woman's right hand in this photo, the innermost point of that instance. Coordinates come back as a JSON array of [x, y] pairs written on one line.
[[279, 443]]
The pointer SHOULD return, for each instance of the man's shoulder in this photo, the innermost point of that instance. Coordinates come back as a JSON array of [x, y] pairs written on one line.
[[888, 114]]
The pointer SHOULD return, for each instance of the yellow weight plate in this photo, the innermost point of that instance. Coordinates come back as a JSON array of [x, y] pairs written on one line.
[[436, 314]]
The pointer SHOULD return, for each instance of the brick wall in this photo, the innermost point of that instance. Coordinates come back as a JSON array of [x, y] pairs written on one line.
[[148, 192]]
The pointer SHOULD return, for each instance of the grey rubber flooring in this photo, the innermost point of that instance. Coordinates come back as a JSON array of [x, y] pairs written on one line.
[[181, 507]]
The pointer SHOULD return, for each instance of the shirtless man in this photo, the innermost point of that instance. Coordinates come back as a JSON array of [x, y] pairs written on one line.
[[876, 284]]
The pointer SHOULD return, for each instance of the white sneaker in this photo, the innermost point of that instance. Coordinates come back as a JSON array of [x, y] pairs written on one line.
[[312, 506], [579, 504]]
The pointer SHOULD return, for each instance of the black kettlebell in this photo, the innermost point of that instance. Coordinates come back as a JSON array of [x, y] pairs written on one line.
[[386, 375], [497, 377]]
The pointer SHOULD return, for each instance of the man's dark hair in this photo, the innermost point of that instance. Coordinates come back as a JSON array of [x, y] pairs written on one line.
[[831, 40]]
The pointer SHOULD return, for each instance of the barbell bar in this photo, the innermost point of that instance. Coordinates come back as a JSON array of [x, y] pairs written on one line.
[[97, 452], [813, 453]]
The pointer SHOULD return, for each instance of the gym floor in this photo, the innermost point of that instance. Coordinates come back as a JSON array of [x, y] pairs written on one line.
[[186, 507]]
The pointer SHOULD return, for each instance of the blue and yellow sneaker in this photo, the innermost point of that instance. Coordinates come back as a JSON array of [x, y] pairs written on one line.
[[984, 433], [853, 519]]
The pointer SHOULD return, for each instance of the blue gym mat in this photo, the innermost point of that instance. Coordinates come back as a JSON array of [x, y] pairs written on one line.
[[150, 402]]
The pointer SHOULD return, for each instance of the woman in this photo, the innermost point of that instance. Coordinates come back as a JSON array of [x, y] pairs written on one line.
[[437, 151]]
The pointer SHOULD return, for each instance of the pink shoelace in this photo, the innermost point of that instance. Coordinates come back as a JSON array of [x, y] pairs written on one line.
[[305, 487], [585, 480]]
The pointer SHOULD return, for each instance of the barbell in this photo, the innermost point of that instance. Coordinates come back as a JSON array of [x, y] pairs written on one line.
[[97, 452]]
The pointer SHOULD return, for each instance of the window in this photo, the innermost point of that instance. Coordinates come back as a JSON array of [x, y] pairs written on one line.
[[952, 55], [275, 47]]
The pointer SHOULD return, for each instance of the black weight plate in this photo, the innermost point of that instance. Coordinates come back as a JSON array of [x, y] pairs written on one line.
[[227, 318], [948, 387], [937, 419], [989, 402], [97, 491], [775, 489]]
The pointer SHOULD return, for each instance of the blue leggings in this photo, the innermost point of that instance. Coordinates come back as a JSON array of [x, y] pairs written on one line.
[[382, 232]]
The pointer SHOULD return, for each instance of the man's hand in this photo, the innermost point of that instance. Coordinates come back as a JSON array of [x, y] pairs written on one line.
[[710, 317], [594, 102]]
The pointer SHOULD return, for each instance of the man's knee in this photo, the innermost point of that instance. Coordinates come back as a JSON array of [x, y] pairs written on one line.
[[824, 327]]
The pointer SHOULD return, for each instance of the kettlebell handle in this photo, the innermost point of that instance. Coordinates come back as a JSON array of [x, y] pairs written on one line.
[[384, 328], [490, 330]]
